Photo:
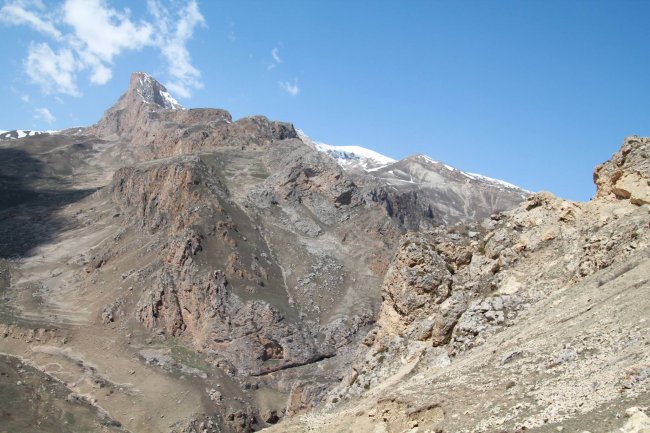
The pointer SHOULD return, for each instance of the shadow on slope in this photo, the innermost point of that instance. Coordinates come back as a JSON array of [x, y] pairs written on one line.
[[29, 200], [31, 401]]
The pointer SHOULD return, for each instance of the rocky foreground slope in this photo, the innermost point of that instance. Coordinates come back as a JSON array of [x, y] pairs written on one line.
[[533, 320]]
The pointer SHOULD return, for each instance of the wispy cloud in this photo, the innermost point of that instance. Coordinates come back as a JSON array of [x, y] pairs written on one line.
[[24, 98], [289, 87], [276, 59], [44, 115], [87, 35], [16, 13], [174, 31], [275, 53], [101, 33], [54, 72]]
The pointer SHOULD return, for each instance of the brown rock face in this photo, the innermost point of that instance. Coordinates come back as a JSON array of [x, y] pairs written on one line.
[[190, 295], [627, 175], [165, 195], [416, 283]]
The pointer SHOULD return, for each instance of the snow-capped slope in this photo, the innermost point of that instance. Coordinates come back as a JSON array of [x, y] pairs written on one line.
[[152, 92], [420, 191], [21, 133], [489, 179], [473, 176], [400, 172], [350, 156]]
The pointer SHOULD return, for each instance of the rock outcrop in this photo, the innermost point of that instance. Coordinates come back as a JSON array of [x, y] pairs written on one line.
[[203, 272], [627, 175]]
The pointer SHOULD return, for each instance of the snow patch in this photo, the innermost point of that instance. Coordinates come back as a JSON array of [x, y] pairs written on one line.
[[392, 181], [354, 152], [370, 161], [472, 176], [169, 100], [428, 159], [468, 175], [22, 133], [433, 161], [350, 156], [146, 89], [503, 183]]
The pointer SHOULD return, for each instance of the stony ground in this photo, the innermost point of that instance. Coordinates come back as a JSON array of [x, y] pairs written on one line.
[[575, 361]]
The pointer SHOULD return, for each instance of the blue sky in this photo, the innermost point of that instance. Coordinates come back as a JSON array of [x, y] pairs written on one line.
[[533, 92]]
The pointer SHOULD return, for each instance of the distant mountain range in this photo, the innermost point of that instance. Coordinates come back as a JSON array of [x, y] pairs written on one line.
[[429, 187]]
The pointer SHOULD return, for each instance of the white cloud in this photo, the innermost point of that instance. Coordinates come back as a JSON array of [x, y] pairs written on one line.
[[24, 98], [275, 53], [290, 88], [90, 34], [172, 37], [55, 72], [44, 115], [15, 13], [101, 33]]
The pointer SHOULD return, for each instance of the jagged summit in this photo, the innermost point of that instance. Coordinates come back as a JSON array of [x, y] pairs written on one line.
[[145, 91], [152, 92], [144, 97]]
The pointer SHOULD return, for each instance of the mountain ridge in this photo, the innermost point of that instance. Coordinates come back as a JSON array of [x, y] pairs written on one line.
[[351, 157]]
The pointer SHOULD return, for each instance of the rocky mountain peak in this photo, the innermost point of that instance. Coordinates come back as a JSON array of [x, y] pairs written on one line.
[[144, 100], [146, 88]]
